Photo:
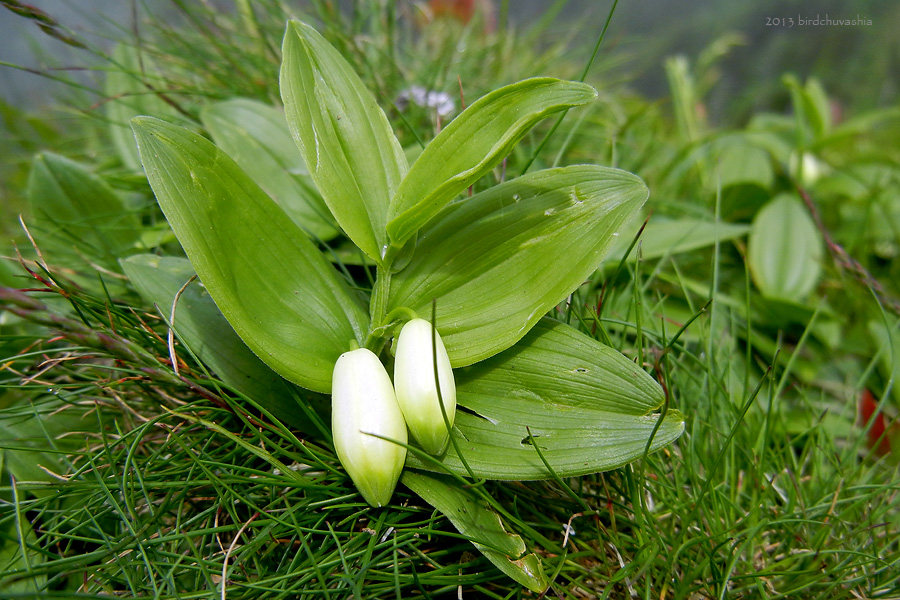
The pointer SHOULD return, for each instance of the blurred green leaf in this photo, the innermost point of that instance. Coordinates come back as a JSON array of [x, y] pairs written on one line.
[[75, 209], [743, 163], [20, 554], [473, 518], [200, 324], [778, 313], [128, 87], [276, 289], [887, 343], [811, 107], [500, 260], [663, 238], [36, 435], [589, 409], [8, 275], [257, 137], [472, 144], [344, 136], [685, 98], [776, 134], [785, 250]]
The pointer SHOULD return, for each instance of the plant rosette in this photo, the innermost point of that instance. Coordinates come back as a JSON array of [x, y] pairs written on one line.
[[536, 398]]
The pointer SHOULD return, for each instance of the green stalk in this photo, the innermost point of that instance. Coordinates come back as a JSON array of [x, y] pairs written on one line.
[[378, 308]]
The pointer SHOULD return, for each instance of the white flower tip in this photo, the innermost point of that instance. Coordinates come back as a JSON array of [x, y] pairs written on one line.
[[414, 381], [364, 412]]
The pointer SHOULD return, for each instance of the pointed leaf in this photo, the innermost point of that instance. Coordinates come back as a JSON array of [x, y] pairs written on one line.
[[588, 408], [78, 210], [344, 136], [276, 289], [200, 324], [472, 144], [498, 261], [473, 518], [257, 137], [785, 249]]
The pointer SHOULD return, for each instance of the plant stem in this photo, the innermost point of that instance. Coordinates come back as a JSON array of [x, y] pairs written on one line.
[[378, 304]]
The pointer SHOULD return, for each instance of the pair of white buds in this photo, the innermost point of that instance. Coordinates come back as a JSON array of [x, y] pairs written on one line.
[[370, 416]]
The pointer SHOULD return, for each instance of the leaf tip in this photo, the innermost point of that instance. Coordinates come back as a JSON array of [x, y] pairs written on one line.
[[301, 30], [143, 126], [141, 121]]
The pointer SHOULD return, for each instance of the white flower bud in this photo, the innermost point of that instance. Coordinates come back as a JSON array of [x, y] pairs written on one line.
[[806, 168], [415, 385], [363, 403]]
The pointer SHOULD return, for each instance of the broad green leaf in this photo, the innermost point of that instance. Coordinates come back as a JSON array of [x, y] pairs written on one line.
[[257, 137], [128, 87], [498, 261], [473, 518], [745, 176], [736, 165], [588, 407], [472, 144], [778, 313], [785, 249], [36, 436], [200, 324], [279, 293], [663, 238], [344, 136], [19, 554], [742, 163], [78, 211]]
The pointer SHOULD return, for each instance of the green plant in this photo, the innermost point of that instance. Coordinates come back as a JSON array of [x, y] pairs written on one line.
[[494, 263]]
